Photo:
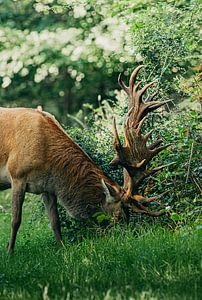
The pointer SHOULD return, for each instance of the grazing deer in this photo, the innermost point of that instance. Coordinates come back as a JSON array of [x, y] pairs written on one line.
[[37, 156]]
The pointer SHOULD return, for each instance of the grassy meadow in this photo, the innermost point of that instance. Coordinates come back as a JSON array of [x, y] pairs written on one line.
[[120, 263]]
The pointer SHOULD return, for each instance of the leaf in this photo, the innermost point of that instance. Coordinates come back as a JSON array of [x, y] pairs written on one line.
[[176, 217], [100, 217]]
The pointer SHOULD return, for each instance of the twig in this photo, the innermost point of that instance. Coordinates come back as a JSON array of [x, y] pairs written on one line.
[[196, 182], [189, 163], [163, 69], [76, 120]]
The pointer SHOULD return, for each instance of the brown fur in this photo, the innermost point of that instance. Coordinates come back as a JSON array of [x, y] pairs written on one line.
[[36, 155]]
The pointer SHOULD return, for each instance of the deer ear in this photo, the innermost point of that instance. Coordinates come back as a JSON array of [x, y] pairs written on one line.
[[109, 192]]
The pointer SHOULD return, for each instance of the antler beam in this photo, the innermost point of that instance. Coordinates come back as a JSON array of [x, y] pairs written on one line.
[[134, 155]]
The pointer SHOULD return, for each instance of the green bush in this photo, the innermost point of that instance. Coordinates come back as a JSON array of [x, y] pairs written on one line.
[[165, 37]]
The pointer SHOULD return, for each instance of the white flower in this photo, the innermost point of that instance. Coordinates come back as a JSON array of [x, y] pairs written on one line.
[[79, 11], [6, 82]]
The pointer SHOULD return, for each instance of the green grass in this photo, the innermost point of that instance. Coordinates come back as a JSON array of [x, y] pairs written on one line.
[[123, 263]]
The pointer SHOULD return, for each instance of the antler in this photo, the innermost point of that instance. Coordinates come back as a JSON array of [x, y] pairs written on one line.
[[134, 155]]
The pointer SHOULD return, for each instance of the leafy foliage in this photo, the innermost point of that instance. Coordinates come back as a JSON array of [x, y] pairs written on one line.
[[61, 54], [165, 37]]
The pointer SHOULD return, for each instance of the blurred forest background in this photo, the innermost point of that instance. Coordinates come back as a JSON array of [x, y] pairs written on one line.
[[66, 55]]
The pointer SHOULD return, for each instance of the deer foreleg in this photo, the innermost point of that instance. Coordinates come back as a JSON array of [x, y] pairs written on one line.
[[50, 202], [18, 194]]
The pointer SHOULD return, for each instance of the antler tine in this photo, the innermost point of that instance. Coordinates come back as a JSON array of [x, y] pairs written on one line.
[[147, 201], [136, 87], [117, 146], [143, 90], [162, 167], [160, 148], [129, 188], [117, 141], [133, 76], [140, 125], [151, 97], [127, 119], [123, 85], [156, 105], [140, 208], [141, 163], [155, 144], [148, 173], [148, 135]]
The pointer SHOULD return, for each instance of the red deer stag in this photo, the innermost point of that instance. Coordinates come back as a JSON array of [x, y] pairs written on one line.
[[37, 156]]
